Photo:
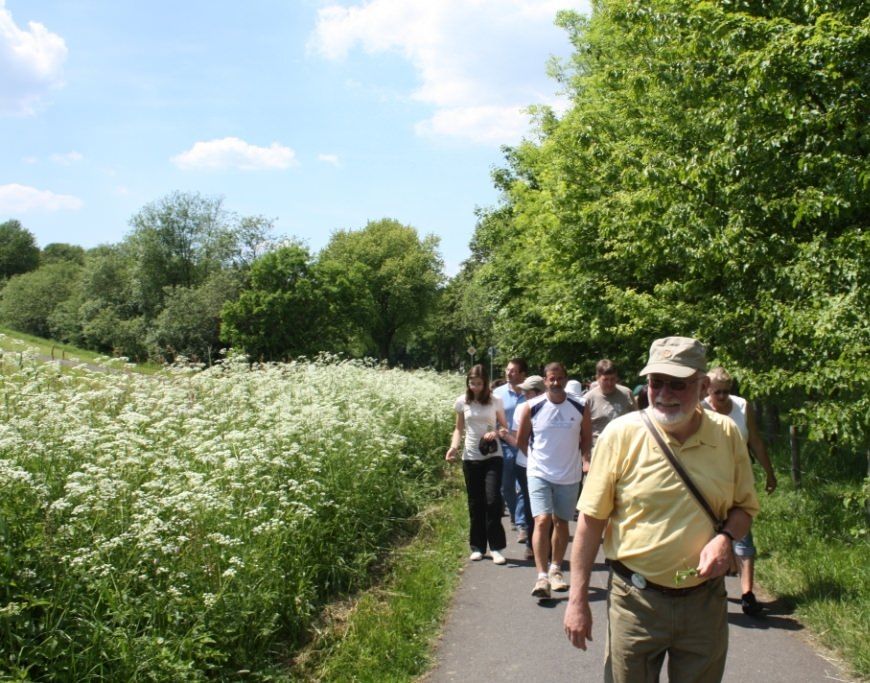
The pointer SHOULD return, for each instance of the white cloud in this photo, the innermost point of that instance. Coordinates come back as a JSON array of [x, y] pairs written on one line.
[[233, 153], [30, 64], [15, 198], [329, 159], [472, 58], [67, 159]]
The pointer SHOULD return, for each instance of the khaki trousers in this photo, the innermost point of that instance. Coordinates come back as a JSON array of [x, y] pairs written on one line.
[[644, 625]]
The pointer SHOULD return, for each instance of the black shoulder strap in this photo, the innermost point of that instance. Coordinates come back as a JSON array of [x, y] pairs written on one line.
[[717, 523], [575, 403]]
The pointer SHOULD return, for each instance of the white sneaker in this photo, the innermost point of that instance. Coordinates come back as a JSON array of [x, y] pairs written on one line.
[[497, 557], [476, 556]]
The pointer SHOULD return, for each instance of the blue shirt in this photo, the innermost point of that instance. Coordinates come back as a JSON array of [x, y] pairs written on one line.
[[510, 399]]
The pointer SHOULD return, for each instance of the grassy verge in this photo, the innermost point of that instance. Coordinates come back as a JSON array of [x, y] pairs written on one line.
[[815, 553], [12, 341], [386, 633]]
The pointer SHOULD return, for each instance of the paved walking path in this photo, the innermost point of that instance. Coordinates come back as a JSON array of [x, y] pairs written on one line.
[[497, 632]]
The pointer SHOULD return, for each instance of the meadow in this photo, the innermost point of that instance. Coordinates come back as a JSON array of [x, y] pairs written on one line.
[[191, 525]]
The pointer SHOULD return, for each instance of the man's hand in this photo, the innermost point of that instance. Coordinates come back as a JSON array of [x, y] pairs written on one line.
[[578, 623], [715, 557], [770, 485]]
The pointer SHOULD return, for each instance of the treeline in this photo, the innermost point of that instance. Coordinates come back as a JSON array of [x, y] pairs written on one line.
[[710, 178], [191, 278]]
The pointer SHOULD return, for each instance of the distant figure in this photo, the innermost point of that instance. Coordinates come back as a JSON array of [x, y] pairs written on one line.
[[641, 397], [554, 431], [512, 396], [721, 400], [668, 558], [608, 400], [478, 413], [574, 389]]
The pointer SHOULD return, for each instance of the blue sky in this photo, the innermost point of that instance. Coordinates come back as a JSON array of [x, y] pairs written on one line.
[[321, 115]]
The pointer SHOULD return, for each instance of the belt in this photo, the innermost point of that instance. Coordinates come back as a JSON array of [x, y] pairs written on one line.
[[638, 581]]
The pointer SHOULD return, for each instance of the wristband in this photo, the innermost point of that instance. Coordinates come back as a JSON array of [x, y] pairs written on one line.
[[728, 534]]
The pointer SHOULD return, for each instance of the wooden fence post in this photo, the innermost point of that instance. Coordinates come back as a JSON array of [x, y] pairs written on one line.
[[795, 456]]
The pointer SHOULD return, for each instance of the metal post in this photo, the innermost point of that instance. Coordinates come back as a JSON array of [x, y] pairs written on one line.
[[795, 456]]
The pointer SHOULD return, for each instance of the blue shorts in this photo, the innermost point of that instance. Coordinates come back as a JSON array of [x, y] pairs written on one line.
[[744, 547], [552, 499]]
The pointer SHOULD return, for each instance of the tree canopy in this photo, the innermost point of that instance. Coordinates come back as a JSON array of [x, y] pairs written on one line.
[[709, 179], [18, 250]]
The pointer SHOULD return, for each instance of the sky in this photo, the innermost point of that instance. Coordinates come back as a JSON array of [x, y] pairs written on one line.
[[321, 115]]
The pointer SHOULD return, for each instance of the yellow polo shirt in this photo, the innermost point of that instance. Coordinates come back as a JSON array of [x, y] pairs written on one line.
[[656, 525]]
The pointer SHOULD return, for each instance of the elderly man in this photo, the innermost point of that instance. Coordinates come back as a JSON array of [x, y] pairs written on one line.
[[667, 592]]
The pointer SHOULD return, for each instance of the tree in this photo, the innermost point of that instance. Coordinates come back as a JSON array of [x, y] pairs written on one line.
[[710, 178], [58, 251], [395, 276], [28, 300], [287, 310], [177, 241], [189, 323], [18, 250]]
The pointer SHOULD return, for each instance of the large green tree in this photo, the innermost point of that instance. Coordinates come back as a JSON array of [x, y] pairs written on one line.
[[18, 250], [710, 178], [28, 301], [395, 275], [288, 309]]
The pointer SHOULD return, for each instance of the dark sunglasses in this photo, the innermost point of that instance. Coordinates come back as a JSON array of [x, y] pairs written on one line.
[[673, 384]]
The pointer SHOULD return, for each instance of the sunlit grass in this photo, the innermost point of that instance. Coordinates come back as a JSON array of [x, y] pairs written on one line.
[[815, 556]]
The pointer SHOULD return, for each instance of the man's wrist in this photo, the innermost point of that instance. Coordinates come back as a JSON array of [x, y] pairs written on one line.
[[727, 533]]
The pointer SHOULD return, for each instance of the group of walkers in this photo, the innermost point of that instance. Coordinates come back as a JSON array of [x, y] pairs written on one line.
[[668, 487]]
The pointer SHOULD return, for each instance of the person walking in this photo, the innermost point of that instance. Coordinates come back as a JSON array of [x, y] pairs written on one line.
[[481, 417], [721, 400], [512, 396], [553, 432], [667, 557]]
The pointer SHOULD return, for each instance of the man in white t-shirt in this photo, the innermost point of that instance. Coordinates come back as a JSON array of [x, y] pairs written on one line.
[[555, 430]]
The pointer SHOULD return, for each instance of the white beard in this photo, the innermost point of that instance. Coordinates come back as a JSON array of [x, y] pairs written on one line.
[[671, 419]]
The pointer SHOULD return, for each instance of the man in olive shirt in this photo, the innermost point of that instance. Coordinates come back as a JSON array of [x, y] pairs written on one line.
[[609, 399], [667, 593]]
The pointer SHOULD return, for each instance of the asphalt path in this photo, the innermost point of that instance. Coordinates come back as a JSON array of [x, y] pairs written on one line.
[[496, 631]]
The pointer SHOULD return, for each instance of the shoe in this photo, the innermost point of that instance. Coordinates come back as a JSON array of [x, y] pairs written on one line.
[[750, 605], [542, 588], [513, 526], [557, 581], [475, 556], [497, 557], [523, 536], [530, 553]]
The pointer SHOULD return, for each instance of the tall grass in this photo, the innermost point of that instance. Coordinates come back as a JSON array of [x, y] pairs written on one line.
[[815, 549], [190, 526]]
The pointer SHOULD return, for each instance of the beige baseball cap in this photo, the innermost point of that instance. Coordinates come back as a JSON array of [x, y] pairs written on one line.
[[535, 382], [676, 356]]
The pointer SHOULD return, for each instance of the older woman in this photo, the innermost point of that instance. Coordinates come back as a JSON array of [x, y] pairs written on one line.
[[721, 400]]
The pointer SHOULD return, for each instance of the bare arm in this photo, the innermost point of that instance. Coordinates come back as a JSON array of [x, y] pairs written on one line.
[[759, 450], [716, 555], [456, 439], [525, 430], [578, 616], [586, 439]]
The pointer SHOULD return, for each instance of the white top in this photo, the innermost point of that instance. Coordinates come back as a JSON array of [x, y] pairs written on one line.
[[554, 444], [738, 414], [479, 419]]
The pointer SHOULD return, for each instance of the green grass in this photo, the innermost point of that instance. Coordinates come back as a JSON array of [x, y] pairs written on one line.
[[386, 633], [814, 548], [12, 341]]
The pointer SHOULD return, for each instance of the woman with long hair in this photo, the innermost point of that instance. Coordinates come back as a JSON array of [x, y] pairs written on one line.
[[480, 415]]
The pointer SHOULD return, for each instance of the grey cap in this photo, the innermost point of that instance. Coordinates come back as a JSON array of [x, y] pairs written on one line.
[[533, 382], [676, 356]]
